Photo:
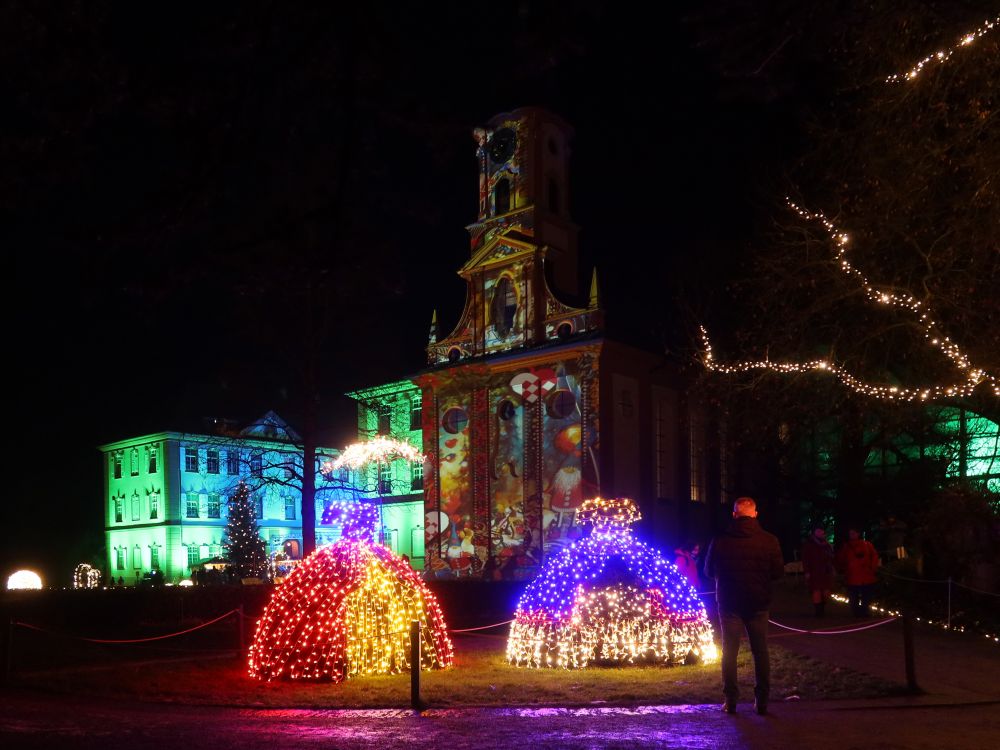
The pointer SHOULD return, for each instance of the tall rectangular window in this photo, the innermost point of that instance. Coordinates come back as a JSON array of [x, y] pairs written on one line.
[[212, 461], [289, 508], [135, 506], [213, 505], [154, 505], [119, 509], [256, 465], [134, 463], [289, 465], [154, 557], [151, 455], [385, 478], [194, 554], [119, 558], [258, 506], [116, 460], [416, 414], [192, 505], [232, 462], [384, 419], [137, 557], [417, 476], [190, 459]]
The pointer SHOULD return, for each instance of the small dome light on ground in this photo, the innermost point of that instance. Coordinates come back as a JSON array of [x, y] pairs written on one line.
[[24, 579]]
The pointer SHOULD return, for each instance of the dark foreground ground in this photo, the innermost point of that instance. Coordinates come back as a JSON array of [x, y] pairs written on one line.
[[36, 721], [958, 709]]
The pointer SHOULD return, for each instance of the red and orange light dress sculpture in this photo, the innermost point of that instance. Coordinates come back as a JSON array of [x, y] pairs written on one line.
[[609, 598], [347, 609]]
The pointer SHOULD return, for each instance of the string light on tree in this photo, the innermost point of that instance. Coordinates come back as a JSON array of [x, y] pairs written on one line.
[[945, 54], [609, 598], [378, 450], [244, 547], [346, 610], [974, 377]]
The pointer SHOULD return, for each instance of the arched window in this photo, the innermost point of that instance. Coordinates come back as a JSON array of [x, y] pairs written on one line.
[[501, 197], [504, 306]]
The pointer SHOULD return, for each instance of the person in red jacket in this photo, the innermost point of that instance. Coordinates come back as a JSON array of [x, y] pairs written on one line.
[[687, 563], [817, 564], [858, 561]]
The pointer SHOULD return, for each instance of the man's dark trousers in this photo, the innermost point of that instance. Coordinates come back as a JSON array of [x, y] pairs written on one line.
[[733, 624]]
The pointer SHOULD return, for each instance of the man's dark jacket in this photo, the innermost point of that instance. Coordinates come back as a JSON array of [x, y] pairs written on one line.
[[743, 560]]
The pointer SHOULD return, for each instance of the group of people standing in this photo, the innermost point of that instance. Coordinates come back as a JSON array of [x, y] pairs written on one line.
[[744, 561], [856, 560]]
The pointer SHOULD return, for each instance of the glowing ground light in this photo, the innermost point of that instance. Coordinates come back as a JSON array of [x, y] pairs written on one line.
[[86, 576], [24, 579], [609, 598], [346, 610]]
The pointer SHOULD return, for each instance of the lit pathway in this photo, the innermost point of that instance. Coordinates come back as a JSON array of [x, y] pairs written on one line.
[[38, 720]]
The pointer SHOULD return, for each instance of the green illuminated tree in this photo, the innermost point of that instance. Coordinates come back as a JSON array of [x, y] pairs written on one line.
[[244, 547]]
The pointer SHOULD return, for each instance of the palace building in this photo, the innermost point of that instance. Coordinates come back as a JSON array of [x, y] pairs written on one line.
[[166, 495], [527, 406]]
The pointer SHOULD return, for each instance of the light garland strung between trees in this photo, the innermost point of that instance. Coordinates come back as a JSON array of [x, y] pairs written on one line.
[[942, 55], [609, 598], [974, 377]]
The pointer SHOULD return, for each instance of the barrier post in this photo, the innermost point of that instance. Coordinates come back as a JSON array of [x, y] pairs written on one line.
[[8, 659], [415, 701], [949, 602], [908, 655]]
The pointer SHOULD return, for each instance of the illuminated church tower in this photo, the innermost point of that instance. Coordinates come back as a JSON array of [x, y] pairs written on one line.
[[526, 408]]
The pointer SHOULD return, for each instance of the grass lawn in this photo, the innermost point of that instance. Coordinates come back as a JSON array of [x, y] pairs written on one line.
[[480, 677]]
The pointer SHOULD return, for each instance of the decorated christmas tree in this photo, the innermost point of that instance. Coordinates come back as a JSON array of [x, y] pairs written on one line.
[[244, 547], [610, 599], [347, 610]]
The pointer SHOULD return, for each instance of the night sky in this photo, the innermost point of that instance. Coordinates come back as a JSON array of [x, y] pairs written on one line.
[[176, 178]]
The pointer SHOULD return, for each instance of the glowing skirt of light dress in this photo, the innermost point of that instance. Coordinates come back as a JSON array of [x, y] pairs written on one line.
[[345, 611], [609, 599]]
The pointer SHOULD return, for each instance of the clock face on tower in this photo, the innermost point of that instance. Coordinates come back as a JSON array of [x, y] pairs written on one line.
[[502, 145]]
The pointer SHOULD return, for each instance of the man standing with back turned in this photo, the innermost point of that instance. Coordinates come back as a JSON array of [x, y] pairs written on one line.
[[744, 560]]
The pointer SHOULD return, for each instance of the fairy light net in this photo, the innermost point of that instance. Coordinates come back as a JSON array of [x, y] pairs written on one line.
[[609, 599], [347, 609]]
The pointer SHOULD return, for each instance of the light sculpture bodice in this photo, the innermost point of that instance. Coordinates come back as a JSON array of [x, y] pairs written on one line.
[[609, 598], [347, 609]]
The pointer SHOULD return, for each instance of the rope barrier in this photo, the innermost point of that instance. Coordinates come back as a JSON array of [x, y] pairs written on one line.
[[835, 632], [978, 591], [482, 627], [915, 580], [949, 581], [29, 626]]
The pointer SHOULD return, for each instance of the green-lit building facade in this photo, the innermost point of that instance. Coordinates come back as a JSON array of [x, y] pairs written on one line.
[[395, 410], [165, 495]]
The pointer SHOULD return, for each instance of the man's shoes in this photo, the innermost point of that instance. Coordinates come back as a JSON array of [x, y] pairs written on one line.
[[760, 707], [729, 707]]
